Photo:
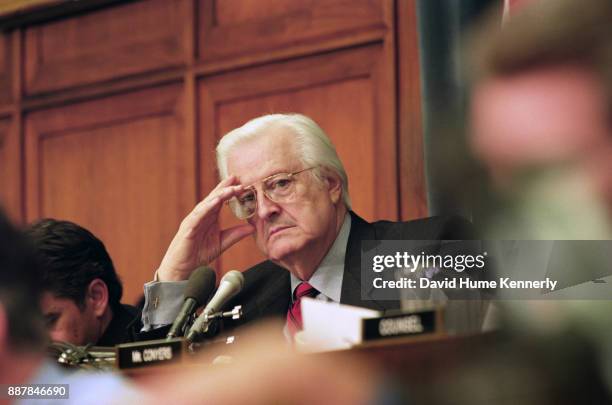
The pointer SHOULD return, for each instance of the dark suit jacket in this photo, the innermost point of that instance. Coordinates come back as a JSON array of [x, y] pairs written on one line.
[[267, 288], [123, 327]]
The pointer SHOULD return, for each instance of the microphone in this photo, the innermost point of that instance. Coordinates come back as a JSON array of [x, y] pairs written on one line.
[[231, 283], [201, 283]]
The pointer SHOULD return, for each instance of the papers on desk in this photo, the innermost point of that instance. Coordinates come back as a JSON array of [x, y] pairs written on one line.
[[331, 326]]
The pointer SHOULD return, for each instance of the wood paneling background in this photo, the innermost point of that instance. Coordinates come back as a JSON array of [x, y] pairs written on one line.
[[118, 41], [6, 67], [251, 29], [109, 118], [121, 166], [10, 169]]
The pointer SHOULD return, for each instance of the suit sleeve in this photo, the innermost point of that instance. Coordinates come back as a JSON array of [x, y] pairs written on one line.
[[163, 300]]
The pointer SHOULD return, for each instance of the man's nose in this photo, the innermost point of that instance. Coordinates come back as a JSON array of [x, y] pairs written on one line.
[[266, 208]]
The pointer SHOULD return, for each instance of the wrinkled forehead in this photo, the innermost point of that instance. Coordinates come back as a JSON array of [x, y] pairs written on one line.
[[258, 158]]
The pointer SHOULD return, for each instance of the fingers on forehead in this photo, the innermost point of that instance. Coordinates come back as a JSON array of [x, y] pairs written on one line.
[[224, 191], [219, 196], [225, 182]]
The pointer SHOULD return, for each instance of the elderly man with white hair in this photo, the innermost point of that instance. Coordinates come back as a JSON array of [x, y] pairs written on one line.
[[281, 174]]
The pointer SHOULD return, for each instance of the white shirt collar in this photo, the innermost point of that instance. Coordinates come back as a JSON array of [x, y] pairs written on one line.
[[327, 278]]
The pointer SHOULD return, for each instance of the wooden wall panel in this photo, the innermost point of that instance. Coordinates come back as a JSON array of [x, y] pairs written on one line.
[[121, 166], [255, 29], [6, 68], [341, 91], [412, 185], [111, 145], [10, 169], [118, 41]]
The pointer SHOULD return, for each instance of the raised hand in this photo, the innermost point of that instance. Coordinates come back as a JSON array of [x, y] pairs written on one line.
[[199, 239]]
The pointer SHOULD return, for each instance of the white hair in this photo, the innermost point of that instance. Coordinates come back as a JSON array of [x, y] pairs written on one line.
[[313, 146]]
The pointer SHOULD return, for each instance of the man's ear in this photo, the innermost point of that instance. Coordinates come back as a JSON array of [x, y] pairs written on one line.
[[334, 187], [97, 295]]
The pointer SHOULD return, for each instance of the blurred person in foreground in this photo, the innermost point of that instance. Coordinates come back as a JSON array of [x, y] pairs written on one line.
[[267, 372], [82, 291], [541, 126], [541, 116]]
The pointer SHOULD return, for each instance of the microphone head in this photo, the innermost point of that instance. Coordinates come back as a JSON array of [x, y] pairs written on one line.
[[201, 284], [234, 277]]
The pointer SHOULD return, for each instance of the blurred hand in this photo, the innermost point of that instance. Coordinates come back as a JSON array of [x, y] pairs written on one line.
[[265, 371], [199, 239]]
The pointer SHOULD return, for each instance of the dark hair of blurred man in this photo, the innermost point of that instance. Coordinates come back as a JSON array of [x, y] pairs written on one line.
[[82, 292]]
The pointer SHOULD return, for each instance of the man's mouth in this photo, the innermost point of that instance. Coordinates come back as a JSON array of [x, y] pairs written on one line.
[[277, 229]]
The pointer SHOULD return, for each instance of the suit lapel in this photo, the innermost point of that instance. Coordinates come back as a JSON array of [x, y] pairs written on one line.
[[351, 281], [277, 298]]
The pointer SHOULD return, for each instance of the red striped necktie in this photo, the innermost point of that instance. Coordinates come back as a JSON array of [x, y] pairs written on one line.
[[294, 315]]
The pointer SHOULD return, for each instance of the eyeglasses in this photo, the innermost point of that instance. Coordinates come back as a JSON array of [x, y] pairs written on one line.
[[279, 188]]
